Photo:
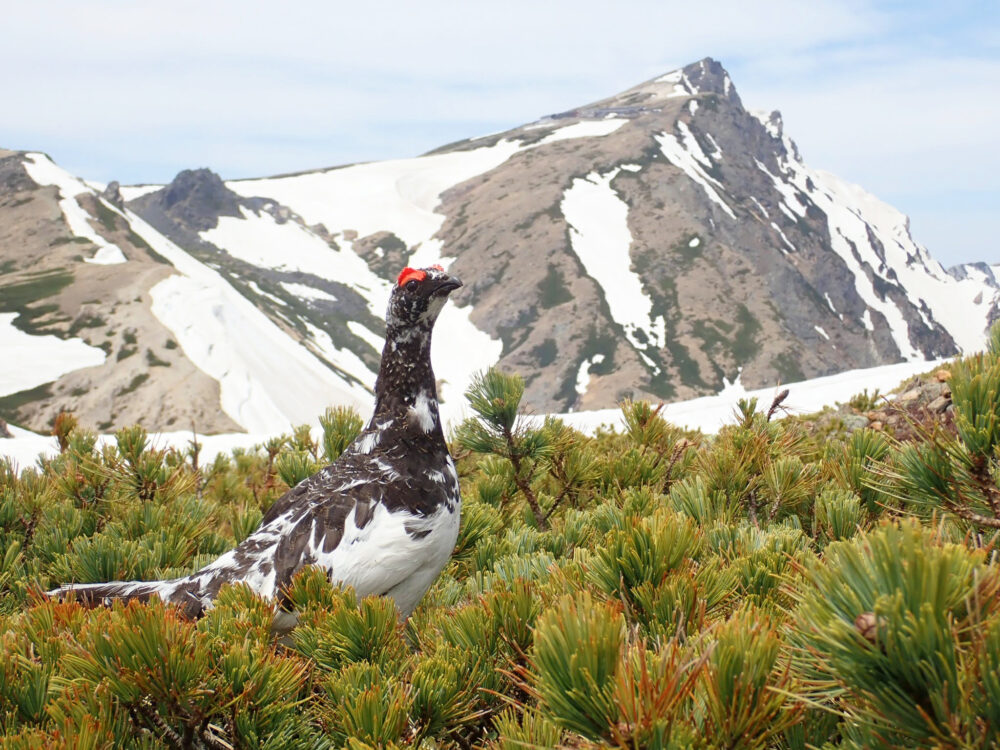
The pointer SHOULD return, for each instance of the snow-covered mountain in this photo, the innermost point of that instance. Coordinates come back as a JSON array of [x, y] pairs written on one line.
[[653, 244]]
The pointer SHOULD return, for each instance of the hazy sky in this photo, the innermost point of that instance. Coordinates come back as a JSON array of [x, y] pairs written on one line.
[[901, 97]]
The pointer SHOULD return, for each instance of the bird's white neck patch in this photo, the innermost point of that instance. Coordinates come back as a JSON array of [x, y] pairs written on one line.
[[424, 412], [434, 306]]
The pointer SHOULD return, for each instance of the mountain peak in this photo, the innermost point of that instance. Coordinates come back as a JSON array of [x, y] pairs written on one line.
[[705, 77], [195, 198], [709, 77]]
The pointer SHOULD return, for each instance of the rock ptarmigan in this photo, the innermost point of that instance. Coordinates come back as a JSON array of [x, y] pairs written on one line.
[[382, 518]]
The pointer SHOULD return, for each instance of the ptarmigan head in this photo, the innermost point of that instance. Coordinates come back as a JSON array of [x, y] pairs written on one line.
[[418, 297]]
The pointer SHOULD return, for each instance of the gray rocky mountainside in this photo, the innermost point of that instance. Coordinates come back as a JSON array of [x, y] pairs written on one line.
[[737, 258], [46, 283], [649, 245]]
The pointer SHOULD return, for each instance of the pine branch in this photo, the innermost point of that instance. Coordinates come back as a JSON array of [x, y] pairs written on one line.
[[752, 508], [212, 742], [675, 456], [977, 518], [522, 484], [981, 476], [195, 453], [552, 509], [167, 733]]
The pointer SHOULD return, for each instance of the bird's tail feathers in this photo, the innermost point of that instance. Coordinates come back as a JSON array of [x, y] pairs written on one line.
[[103, 594]]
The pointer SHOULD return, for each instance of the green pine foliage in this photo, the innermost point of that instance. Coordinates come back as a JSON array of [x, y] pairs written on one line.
[[771, 586], [340, 426]]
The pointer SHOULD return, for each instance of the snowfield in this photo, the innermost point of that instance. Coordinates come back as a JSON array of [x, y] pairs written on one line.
[[600, 237], [400, 196], [44, 171], [710, 413], [255, 362], [584, 129], [221, 331], [952, 302], [397, 196], [131, 192], [30, 361], [226, 336], [260, 240]]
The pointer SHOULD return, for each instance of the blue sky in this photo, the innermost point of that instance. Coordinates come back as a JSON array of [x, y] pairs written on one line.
[[902, 98]]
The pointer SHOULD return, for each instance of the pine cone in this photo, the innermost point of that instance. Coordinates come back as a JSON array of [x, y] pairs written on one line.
[[868, 624]]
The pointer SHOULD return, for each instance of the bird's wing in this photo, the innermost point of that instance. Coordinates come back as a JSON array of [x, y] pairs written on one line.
[[346, 518]]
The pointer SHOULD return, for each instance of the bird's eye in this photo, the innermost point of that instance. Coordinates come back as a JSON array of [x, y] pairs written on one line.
[[411, 285]]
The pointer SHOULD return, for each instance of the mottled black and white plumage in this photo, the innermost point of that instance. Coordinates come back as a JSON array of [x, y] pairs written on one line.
[[382, 518]]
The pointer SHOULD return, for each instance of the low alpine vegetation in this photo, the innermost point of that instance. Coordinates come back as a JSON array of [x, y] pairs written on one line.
[[777, 585]]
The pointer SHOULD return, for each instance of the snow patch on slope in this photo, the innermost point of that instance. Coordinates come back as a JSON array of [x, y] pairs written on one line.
[[345, 359], [398, 196], [691, 144], [259, 239], [873, 240], [131, 192], [784, 239], [771, 124], [849, 233], [716, 152], [600, 237], [952, 302], [262, 241], [267, 381], [690, 162], [44, 171], [375, 341], [276, 300], [788, 192], [682, 84], [303, 291], [583, 374], [584, 129], [459, 350], [30, 361]]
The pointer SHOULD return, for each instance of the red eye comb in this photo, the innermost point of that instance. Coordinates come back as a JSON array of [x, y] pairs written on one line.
[[436, 267], [410, 274]]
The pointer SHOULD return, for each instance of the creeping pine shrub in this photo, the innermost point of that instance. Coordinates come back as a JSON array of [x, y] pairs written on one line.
[[769, 586], [897, 630], [954, 474]]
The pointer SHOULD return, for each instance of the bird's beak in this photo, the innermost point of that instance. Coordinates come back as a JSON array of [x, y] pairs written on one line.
[[448, 284]]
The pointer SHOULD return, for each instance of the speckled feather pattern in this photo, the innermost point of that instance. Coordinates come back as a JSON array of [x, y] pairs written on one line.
[[382, 518]]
